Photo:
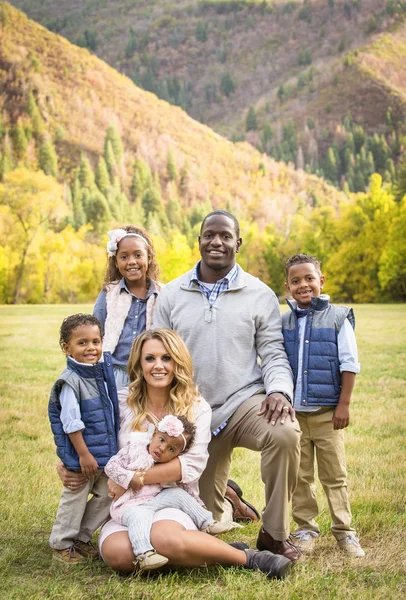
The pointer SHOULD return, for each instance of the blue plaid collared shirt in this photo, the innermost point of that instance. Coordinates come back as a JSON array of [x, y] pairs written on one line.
[[212, 294], [220, 286]]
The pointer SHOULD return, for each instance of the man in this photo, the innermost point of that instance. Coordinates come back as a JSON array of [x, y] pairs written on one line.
[[228, 319]]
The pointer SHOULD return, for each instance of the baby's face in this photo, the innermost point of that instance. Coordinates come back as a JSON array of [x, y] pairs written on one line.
[[163, 447]]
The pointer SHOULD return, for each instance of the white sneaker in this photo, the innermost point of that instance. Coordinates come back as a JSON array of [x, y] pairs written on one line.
[[218, 527], [150, 560], [304, 540], [351, 546]]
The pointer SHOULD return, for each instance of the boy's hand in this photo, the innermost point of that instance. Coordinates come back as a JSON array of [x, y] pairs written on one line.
[[274, 406], [88, 464], [341, 417]]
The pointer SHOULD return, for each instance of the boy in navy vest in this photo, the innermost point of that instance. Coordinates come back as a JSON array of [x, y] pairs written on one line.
[[321, 347], [83, 410]]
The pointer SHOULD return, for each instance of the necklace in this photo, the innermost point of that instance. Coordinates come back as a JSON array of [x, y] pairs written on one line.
[[161, 414]]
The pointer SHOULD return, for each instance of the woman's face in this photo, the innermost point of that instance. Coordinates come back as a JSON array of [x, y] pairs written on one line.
[[157, 365], [132, 260]]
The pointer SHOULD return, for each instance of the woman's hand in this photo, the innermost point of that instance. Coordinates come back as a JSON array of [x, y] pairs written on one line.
[[70, 479], [115, 491]]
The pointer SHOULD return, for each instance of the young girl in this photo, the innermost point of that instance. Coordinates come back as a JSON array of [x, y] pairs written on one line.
[[83, 410], [171, 437], [125, 306]]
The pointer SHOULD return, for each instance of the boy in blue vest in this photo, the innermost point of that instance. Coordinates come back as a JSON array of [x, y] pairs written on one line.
[[321, 347], [83, 410]]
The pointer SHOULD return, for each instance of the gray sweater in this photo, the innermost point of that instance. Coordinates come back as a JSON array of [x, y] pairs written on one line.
[[225, 340]]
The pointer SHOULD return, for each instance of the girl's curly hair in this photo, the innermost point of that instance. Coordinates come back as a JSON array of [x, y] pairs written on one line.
[[112, 272]]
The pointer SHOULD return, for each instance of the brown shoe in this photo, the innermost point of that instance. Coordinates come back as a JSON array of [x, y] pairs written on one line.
[[266, 542], [86, 549], [242, 510], [69, 556]]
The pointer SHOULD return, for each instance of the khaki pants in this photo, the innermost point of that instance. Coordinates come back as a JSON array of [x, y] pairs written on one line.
[[77, 517], [280, 451], [320, 440]]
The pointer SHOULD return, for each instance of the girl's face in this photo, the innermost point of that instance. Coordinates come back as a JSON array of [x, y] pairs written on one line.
[[132, 260], [163, 447], [157, 365], [85, 344]]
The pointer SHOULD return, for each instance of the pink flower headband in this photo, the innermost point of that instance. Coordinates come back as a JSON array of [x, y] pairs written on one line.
[[173, 427], [116, 235]]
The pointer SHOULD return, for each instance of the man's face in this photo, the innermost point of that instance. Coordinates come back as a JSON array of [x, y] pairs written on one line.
[[218, 243]]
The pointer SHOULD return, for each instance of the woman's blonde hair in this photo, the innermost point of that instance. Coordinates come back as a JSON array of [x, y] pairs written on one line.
[[112, 272], [183, 392]]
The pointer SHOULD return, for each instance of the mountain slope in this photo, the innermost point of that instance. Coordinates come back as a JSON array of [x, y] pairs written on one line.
[[79, 96]]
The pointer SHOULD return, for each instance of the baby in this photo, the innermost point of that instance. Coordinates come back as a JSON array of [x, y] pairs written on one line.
[[171, 437]]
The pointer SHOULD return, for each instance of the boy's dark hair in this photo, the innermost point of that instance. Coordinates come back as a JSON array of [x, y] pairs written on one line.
[[188, 429], [223, 213], [70, 323], [299, 259]]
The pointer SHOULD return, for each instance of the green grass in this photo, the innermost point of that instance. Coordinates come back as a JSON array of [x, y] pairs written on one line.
[[376, 456]]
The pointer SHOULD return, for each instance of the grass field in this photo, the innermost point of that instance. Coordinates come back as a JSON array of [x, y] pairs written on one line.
[[376, 455]]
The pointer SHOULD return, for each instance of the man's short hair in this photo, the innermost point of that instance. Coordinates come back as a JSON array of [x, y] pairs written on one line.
[[299, 259], [223, 213]]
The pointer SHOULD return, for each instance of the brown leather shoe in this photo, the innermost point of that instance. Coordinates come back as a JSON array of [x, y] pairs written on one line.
[[242, 510], [266, 542]]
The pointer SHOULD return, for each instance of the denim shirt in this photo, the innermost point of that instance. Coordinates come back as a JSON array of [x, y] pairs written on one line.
[[134, 325]]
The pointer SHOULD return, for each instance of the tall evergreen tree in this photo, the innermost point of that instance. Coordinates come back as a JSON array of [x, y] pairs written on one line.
[[102, 176], [19, 141], [85, 173], [251, 123], [47, 158], [113, 136], [171, 167], [110, 159]]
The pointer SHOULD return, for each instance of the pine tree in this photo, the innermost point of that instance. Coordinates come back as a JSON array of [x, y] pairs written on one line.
[[132, 45], [171, 167], [267, 138], [174, 212], [79, 217], [85, 173], [227, 84], [19, 141], [152, 201], [102, 176], [47, 158], [330, 166], [36, 118], [142, 179], [251, 123], [110, 159], [400, 184], [113, 136]]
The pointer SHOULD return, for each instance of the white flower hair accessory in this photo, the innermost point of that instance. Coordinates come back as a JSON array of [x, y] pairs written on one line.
[[173, 427], [116, 235]]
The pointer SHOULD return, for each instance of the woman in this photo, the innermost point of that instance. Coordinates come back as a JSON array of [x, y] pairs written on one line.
[[161, 372]]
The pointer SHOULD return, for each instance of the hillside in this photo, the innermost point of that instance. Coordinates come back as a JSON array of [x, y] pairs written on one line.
[[283, 75], [82, 149], [79, 96]]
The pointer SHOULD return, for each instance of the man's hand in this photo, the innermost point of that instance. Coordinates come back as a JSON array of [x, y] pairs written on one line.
[[70, 479], [115, 491], [341, 417], [274, 406]]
